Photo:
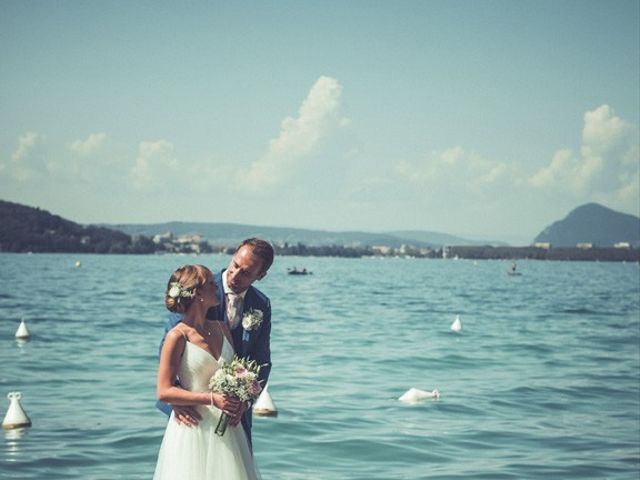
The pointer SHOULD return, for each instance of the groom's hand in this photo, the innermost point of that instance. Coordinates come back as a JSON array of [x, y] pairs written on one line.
[[230, 405], [186, 415], [235, 419]]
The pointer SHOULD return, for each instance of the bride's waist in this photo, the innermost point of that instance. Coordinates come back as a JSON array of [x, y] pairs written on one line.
[[202, 409], [207, 413], [209, 409]]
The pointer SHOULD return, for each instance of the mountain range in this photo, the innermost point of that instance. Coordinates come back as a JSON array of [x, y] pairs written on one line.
[[231, 234], [24, 228], [589, 223]]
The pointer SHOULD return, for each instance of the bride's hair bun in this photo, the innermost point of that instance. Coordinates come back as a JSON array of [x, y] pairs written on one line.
[[189, 277]]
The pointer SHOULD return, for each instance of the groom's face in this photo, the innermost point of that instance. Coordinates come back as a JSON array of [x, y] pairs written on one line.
[[244, 269]]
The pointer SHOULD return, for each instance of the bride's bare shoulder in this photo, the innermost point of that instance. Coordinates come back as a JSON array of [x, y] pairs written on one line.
[[179, 331]]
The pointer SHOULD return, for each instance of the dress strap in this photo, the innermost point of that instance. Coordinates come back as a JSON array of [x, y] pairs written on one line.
[[186, 340]]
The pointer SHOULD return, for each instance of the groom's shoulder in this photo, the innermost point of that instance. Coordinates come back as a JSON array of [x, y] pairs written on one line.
[[261, 297], [173, 319]]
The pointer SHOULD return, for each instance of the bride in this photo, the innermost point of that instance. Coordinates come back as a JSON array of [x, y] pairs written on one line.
[[191, 353]]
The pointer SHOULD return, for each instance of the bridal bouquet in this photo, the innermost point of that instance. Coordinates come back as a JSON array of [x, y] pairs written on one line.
[[238, 378]]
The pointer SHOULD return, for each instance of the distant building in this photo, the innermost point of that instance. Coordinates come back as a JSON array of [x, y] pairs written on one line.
[[381, 249], [626, 245], [183, 239], [584, 245], [545, 245], [163, 238]]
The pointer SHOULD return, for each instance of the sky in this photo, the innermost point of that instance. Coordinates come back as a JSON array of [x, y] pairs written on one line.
[[483, 119]]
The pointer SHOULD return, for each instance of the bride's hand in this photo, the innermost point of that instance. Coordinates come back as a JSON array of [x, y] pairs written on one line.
[[186, 415]]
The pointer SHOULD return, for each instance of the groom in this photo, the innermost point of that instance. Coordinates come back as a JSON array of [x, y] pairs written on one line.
[[237, 296]]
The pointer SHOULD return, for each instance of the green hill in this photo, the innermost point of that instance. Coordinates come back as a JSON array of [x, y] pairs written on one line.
[[28, 229], [593, 223]]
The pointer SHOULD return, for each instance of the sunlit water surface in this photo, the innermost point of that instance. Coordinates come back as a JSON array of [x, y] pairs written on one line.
[[543, 381]]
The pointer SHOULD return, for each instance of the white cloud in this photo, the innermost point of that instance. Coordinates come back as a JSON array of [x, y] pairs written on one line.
[[562, 169], [298, 136], [568, 172], [606, 167], [88, 146], [155, 165], [26, 142], [451, 156], [28, 160], [456, 166], [603, 131]]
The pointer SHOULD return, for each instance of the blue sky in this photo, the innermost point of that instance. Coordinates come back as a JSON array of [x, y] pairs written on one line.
[[485, 119]]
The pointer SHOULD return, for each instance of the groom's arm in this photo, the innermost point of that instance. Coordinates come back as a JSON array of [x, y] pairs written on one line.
[[262, 347], [261, 354]]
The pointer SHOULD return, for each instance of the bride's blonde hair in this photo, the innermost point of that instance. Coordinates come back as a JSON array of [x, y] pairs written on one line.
[[189, 277]]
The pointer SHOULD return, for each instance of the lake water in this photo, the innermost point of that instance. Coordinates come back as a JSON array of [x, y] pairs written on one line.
[[543, 381]]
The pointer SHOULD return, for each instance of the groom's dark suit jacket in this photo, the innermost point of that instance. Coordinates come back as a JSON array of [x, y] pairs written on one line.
[[255, 344]]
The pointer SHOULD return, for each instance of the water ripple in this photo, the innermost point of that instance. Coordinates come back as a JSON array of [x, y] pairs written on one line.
[[542, 381]]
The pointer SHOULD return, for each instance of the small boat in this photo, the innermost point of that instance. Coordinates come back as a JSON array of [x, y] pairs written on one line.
[[513, 271], [295, 271]]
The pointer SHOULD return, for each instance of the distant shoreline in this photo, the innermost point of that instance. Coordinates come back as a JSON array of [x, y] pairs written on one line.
[[27, 229], [605, 254]]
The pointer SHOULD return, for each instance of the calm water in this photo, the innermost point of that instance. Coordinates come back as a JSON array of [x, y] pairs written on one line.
[[542, 382]]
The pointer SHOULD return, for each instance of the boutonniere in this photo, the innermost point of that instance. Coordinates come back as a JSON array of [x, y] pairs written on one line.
[[252, 319]]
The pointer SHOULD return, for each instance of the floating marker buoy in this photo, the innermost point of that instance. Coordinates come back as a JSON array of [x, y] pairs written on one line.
[[78, 264], [414, 395], [22, 331], [264, 406], [15, 417], [456, 326]]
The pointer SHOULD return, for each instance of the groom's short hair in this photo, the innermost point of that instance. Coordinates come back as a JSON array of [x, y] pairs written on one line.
[[260, 248]]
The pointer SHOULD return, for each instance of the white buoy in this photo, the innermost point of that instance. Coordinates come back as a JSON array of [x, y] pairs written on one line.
[[15, 417], [264, 406], [22, 331], [456, 326], [415, 395], [78, 264]]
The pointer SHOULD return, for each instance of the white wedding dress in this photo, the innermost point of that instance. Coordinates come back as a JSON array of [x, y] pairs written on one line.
[[198, 453]]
